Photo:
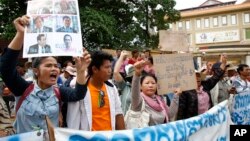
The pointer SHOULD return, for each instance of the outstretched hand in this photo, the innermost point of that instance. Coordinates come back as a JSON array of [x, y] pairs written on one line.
[[83, 62], [139, 66]]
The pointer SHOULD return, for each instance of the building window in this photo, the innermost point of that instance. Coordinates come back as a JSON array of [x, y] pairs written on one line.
[[187, 24], [224, 20], [179, 25], [198, 23], [206, 22], [233, 20], [247, 32], [215, 21], [247, 17]]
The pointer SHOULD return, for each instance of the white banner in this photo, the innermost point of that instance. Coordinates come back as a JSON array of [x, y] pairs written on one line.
[[216, 37], [240, 113], [30, 136], [213, 125], [210, 126]]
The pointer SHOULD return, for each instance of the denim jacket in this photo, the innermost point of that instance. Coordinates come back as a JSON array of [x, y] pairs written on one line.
[[35, 109], [31, 114]]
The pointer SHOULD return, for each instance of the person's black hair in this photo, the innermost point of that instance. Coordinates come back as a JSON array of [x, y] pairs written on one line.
[[147, 50], [148, 75], [37, 61], [134, 52], [66, 36], [66, 63], [66, 17], [20, 64], [98, 57], [40, 36], [38, 17], [150, 59], [241, 67]]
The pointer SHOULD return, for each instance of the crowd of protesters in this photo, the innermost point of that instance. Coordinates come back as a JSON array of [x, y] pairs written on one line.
[[94, 92]]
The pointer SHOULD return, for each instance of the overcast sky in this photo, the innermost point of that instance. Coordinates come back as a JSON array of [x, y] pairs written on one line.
[[183, 4]]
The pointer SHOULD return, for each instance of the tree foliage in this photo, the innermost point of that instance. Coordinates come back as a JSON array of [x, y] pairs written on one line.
[[9, 10], [125, 24]]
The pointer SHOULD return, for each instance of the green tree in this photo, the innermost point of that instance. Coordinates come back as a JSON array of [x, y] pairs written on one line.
[[150, 18], [125, 24], [9, 10], [119, 24]]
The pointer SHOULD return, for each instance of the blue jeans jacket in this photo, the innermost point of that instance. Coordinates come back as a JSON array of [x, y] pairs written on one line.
[[39, 103]]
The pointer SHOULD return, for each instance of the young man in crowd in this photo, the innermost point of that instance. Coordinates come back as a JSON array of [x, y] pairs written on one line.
[[101, 108], [241, 83]]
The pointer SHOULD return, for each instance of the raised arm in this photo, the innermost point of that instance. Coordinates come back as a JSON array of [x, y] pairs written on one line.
[[136, 101], [173, 109], [117, 76], [8, 62], [69, 94], [19, 23], [218, 74]]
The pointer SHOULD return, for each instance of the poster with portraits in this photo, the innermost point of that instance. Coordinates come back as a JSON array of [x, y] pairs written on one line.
[[54, 29]]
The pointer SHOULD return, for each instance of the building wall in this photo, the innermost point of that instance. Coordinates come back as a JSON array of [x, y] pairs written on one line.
[[209, 42]]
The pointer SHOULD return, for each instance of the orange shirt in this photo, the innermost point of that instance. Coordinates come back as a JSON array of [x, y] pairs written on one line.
[[101, 119]]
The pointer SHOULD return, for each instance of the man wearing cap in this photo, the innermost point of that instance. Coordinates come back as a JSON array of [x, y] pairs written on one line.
[[69, 74], [198, 101], [123, 83]]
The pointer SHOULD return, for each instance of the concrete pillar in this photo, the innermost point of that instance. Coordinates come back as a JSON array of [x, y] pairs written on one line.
[[247, 60]]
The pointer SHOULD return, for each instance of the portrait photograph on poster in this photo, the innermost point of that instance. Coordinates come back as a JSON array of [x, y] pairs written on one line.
[[54, 29]]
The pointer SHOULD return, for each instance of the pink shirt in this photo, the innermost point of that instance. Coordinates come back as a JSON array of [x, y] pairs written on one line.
[[203, 101], [122, 69]]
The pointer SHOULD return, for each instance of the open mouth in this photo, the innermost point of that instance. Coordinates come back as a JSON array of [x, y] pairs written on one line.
[[53, 76]]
